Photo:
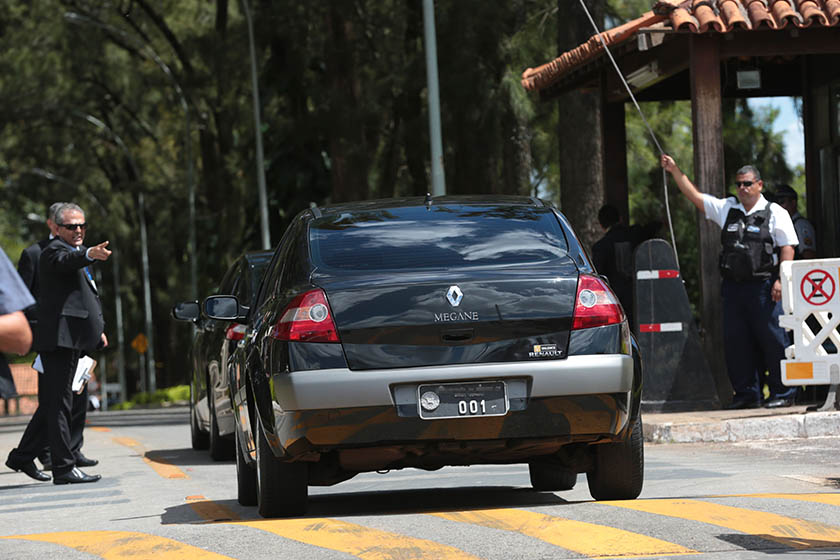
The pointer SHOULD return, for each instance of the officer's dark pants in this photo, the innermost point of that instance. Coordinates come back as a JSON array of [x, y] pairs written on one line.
[[751, 330]]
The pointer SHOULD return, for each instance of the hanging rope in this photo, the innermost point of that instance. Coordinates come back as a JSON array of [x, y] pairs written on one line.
[[647, 125]]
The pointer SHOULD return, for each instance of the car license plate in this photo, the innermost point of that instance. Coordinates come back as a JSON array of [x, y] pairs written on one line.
[[460, 400]]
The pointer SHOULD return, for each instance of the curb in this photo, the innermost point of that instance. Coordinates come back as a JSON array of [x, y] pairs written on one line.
[[791, 426]]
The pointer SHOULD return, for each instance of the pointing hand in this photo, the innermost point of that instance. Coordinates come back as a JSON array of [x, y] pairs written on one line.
[[100, 252]]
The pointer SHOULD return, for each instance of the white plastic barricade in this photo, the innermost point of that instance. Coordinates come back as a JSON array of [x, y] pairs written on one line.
[[811, 304]]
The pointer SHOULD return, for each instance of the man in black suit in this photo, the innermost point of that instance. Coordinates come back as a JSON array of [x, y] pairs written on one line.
[[28, 270], [69, 322]]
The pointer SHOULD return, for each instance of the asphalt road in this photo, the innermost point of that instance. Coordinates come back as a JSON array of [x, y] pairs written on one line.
[[160, 499]]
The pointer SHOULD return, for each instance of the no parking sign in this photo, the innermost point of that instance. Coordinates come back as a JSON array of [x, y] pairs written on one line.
[[816, 287]]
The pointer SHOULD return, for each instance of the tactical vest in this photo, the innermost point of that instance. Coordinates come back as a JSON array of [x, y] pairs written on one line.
[[747, 246]]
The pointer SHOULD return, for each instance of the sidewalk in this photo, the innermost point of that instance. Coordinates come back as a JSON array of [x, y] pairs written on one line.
[[740, 425]]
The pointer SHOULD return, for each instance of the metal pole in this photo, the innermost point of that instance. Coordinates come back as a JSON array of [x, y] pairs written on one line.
[[438, 178], [120, 335], [266, 238], [191, 250], [147, 295]]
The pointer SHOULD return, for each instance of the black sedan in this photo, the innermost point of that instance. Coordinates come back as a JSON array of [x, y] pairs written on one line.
[[431, 332], [211, 414]]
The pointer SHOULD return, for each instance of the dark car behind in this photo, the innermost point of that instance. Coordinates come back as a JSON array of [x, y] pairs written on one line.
[[432, 332], [211, 414]]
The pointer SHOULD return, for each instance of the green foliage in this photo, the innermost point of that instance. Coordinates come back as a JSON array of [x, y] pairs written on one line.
[[179, 394]]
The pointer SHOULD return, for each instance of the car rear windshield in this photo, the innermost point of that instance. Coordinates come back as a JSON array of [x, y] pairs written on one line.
[[438, 237]]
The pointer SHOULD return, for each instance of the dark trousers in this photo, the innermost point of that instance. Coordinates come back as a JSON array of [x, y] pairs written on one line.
[[54, 413], [78, 416], [753, 339]]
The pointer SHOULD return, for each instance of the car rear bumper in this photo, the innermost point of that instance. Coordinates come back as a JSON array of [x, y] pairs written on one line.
[[579, 399], [343, 388]]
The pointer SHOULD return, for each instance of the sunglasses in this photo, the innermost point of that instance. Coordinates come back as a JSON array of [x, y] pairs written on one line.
[[744, 183], [72, 227]]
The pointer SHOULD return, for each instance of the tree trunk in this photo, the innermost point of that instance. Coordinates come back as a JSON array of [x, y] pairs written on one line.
[[348, 146], [517, 155], [415, 129], [579, 134]]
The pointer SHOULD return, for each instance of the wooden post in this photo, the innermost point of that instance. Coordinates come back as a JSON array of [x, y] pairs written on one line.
[[707, 118], [615, 158]]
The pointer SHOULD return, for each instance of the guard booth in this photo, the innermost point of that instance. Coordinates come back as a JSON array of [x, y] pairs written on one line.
[[811, 304], [706, 51]]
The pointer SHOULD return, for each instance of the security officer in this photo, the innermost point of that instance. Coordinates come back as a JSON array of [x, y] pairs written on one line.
[[756, 235]]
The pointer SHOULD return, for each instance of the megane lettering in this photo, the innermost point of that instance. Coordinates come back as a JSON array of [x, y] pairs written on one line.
[[458, 316]]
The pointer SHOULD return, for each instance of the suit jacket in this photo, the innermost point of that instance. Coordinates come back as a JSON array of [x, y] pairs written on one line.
[[69, 311], [28, 270]]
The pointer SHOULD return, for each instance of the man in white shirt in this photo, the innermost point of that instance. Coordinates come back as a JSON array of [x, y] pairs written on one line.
[[756, 235]]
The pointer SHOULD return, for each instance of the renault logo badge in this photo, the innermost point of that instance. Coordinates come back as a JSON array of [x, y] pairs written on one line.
[[454, 295]]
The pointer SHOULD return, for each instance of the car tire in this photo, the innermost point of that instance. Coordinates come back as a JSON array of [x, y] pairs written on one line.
[[550, 477], [282, 489], [246, 478], [198, 437], [221, 449], [618, 472]]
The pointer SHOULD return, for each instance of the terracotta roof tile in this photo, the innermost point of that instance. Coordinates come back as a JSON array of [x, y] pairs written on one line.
[[734, 14], [706, 16], [695, 16]]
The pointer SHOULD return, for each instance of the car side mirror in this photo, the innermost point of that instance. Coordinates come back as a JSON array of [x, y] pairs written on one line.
[[186, 311], [224, 308]]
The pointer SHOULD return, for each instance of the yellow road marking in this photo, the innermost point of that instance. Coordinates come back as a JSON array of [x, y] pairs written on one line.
[[165, 470], [584, 538], [796, 533], [830, 499], [119, 545], [362, 542], [98, 429], [211, 511]]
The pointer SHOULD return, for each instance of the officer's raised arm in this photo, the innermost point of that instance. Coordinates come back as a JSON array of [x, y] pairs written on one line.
[[683, 182]]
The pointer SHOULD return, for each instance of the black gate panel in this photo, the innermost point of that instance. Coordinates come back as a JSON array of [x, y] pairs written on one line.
[[676, 372]]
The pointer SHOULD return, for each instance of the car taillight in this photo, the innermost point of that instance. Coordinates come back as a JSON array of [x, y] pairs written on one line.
[[236, 332], [595, 304], [307, 318]]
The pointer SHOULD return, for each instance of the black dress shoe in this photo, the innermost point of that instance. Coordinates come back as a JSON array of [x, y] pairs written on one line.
[[738, 404], [74, 477], [82, 461], [779, 403], [30, 470]]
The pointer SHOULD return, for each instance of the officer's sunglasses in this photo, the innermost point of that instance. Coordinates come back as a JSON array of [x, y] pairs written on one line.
[[72, 227], [744, 183]]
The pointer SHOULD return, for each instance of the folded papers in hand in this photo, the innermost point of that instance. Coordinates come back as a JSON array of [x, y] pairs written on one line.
[[83, 371]]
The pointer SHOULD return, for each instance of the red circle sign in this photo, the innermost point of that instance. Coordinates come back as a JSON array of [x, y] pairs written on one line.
[[817, 287]]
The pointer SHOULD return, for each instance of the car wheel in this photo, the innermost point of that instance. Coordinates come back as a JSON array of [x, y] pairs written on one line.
[[221, 449], [618, 472], [546, 476], [246, 478], [198, 437], [281, 487]]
